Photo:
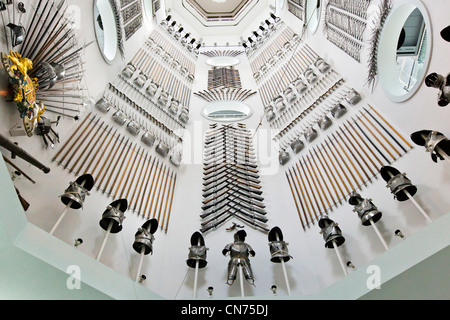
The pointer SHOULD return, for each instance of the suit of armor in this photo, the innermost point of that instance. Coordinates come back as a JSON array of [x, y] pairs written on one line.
[[240, 253]]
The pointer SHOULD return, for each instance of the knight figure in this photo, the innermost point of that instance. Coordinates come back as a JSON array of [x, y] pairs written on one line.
[[239, 252]]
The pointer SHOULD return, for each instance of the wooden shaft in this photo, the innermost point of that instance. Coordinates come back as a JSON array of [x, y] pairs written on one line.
[[138, 182], [357, 151], [142, 185], [345, 164], [330, 159], [314, 191], [171, 202], [365, 143], [333, 181], [371, 142], [359, 147], [146, 186], [70, 139], [107, 162], [381, 134], [18, 169], [81, 143], [167, 200], [140, 156], [121, 167], [98, 151], [295, 201], [393, 129], [319, 182], [155, 184], [117, 155], [126, 172], [86, 148], [302, 186], [351, 162], [162, 199]]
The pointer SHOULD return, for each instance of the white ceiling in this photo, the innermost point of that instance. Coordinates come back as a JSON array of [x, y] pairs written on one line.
[[220, 32]]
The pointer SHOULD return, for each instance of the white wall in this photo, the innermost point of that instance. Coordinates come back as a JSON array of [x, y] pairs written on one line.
[[313, 268]]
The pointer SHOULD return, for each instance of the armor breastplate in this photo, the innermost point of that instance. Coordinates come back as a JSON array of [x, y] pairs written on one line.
[[400, 183], [103, 105], [197, 254], [120, 118], [239, 250], [331, 233], [143, 239], [324, 123], [297, 145], [279, 251], [151, 89], [290, 95], [184, 116], [115, 215], [310, 134], [75, 193], [310, 76], [134, 128], [338, 110], [300, 86], [367, 211], [432, 141], [353, 97], [279, 103]]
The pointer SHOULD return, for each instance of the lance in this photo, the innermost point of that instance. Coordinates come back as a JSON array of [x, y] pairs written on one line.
[[171, 202], [333, 181], [385, 130], [169, 191], [227, 181], [32, 27], [70, 139], [18, 169], [107, 164], [330, 159], [81, 143], [365, 144], [372, 143], [124, 154], [350, 160], [345, 164], [58, 8], [86, 148], [359, 154], [379, 132], [98, 150], [159, 192], [306, 171], [321, 181], [311, 207], [141, 171], [295, 199], [139, 156], [392, 128], [125, 169], [33, 43], [150, 193], [145, 184], [359, 147]]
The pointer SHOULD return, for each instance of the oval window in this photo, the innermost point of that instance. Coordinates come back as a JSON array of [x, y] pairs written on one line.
[[404, 51], [313, 8], [222, 62], [227, 111], [105, 29]]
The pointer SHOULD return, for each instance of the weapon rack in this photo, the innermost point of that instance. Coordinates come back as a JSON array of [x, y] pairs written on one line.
[[121, 168], [345, 24], [131, 12], [345, 161], [232, 186], [297, 8]]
